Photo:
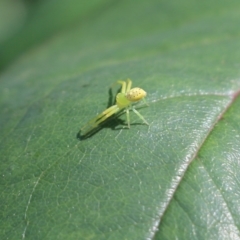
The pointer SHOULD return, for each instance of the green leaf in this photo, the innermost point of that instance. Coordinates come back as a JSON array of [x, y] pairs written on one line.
[[175, 179]]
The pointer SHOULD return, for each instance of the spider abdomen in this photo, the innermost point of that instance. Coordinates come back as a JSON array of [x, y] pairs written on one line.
[[135, 94]]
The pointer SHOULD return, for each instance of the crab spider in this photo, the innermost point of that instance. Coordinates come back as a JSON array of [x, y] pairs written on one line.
[[124, 99]]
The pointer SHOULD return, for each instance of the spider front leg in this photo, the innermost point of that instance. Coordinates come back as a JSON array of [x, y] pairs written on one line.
[[123, 89], [107, 113], [126, 86], [99, 119], [129, 85]]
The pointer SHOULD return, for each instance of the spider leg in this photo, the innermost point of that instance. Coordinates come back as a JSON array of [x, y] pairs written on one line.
[[123, 83], [140, 116], [144, 100], [99, 118], [129, 85], [128, 117], [126, 86], [123, 90], [106, 114]]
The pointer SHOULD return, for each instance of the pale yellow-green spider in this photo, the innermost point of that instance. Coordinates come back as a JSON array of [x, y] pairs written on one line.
[[124, 99]]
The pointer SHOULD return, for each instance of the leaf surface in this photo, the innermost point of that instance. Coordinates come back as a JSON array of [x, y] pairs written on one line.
[[177, 178]]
